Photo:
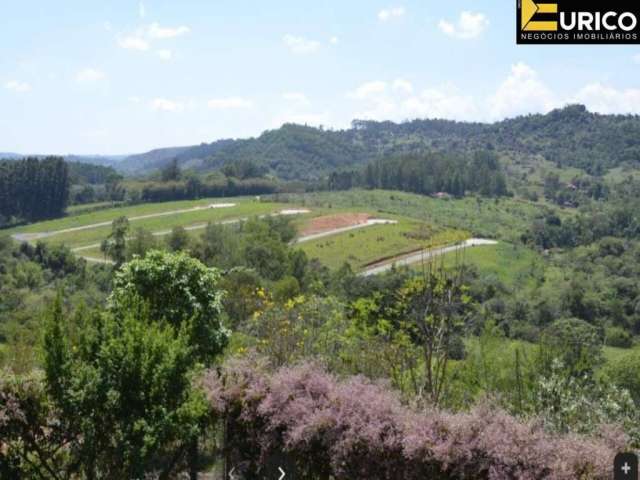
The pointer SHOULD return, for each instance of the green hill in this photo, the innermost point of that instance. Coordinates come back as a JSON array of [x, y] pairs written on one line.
[[568, 137]]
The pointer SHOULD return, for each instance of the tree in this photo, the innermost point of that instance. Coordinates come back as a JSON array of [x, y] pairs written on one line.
[[431, 309], [141, 242], [123, 392], [575, 343], [177, 289], [172, 171], [178, 240], [115, 246]]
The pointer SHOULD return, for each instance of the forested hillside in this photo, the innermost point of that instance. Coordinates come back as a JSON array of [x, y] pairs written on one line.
[[571, 136]]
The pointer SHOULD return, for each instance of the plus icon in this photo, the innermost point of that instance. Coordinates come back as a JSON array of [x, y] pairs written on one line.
[[625, 467]]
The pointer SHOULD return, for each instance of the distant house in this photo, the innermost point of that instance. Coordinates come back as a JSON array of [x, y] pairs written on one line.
[[572, 186], [441, 195]]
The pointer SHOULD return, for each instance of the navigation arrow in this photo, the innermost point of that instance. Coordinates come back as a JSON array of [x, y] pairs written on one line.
[[282, 473], [231, 474]]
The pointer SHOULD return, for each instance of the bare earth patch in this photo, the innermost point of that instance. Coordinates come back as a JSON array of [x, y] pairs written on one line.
[[332, 222]]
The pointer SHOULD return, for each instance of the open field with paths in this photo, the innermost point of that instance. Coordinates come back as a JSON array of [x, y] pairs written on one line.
[[423, 255]]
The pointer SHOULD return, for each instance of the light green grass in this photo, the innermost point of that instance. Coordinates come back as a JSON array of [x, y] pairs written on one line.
[[243, 208], [111, 213], [85, 237], [512, 264], [612, 353], [368, 244]]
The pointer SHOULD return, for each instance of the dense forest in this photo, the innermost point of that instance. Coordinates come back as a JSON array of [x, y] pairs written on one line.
[[428, 174], [33, 189], [571, 136]]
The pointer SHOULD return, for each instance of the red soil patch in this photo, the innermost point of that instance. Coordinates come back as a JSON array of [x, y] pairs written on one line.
[[331, 222]]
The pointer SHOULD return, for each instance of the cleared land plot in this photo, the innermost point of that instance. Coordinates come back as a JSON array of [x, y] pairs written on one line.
[[502, 219], [363, 246], [328, 225]]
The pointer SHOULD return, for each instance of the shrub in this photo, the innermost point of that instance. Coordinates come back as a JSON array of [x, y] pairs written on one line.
[[356, 429], [618, 337], [623, 372]]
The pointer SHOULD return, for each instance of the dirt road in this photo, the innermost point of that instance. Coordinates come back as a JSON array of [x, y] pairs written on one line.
[[371, 221], [423, 255], [29, 237]]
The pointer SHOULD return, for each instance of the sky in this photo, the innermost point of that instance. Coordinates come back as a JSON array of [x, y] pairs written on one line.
[[120, 77]]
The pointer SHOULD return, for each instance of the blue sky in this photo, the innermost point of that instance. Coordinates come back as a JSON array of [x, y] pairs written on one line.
[[126, 76]]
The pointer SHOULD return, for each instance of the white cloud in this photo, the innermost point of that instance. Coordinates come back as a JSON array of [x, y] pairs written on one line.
[[368, 90], [142, 11], [230, 103], [297, 98], [402, 85], [301, 45], [334, 40], [17, 86], [89, 75], [606, 99], [522, 92], [444, 102], [391, 13], [133, 43], [396, 101], [155, 31], [469, 25], [166, 105], [165, 55]]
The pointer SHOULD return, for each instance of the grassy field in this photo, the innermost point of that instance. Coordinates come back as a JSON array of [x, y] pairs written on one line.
[[243, 208], [73, 220], [512, 264], [366, 245], [503, 218]]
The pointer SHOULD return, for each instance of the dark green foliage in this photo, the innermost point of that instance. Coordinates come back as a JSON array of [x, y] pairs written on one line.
[[618, 337], [178, 239], [123, 392], [33, 189], [576, 343], [431, 173], [171, 172], [115, 246], [194, 188], [90, 173], [180, 290]]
